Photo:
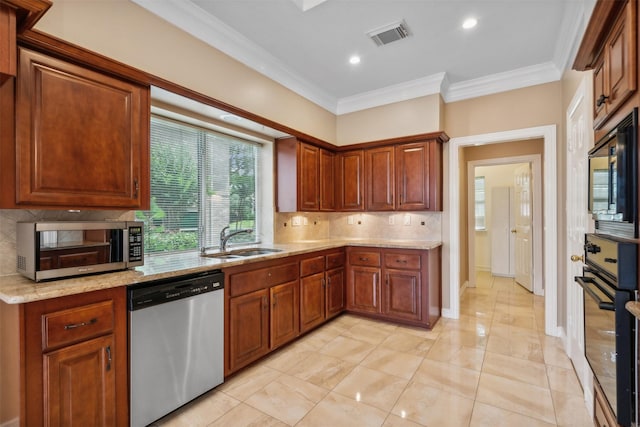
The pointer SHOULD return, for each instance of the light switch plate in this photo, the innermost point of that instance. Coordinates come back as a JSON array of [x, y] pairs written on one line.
[[296, 221], [407, 219], [350, 220]]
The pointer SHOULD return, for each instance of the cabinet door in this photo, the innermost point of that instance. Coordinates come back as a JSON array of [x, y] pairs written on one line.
[[335, 294], [248, 328], [312, 290], [285, 324], [363, 292], [327, 181], [621, 59], [83, 139], [350, 181], [599, 93], [308, 180], [402, 294], [79, 384], [412, 176], [380, 178]]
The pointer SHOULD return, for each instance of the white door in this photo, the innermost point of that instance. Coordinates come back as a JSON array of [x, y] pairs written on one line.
[[524, 243], [502, 239], [578, 143]]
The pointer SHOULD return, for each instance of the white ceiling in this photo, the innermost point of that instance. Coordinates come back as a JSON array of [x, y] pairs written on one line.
[[517, 43]]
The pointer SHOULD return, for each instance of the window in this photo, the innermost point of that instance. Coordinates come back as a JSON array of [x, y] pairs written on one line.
[[201, 181], [480, 203]]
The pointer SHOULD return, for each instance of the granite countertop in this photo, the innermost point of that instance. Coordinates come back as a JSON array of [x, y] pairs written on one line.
[[17, 289], [634, 308]]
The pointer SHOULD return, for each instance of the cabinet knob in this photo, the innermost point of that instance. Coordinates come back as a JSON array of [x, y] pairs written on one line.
[[576, 258], [601, 100]]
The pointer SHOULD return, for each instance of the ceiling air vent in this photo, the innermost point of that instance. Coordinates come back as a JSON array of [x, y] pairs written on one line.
[[389, 33]]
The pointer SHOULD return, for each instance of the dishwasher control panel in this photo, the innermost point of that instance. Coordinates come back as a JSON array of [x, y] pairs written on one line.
[[166, 290]]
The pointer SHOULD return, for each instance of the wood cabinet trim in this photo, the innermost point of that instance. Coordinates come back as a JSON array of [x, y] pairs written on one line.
[[602, 18]]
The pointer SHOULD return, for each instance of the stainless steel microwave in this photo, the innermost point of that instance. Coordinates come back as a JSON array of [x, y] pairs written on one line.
[[51, 250]]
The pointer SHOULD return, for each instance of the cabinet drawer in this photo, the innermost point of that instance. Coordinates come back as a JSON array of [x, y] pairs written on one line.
[[311, 266], [249, 281], [402, 261], [335, 260], [77, 324], [368, 258]]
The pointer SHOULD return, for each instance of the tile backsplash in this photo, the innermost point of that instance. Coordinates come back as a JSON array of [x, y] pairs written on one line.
[[298, 226], [9, 218]]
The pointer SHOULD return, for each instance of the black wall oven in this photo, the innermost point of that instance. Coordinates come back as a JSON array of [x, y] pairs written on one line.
[[609, 281]]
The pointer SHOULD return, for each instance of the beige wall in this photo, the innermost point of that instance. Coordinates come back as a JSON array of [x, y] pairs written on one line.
[[125, 32], [412, 117], [517, 109]]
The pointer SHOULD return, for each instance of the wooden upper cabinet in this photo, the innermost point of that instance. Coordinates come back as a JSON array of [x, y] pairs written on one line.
[[309, 177], [380, 178], [350, 180], [609, 48], [82, 137], [7, 41], [327, 181], [16, 16], [412, 165], [305, 180]]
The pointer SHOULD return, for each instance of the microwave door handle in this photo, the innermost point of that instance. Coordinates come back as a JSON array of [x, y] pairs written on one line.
[[602, 305]]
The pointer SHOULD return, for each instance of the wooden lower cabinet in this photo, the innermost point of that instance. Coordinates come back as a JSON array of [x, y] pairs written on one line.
[[75, 360], [602, 414], [312, 289], [395, 284], [363, 290], [284, 325], [335, 294], [403, 294], [80, 384], [249, 328]]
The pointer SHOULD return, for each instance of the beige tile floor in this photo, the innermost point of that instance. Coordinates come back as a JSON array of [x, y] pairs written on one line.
[[492, 367]]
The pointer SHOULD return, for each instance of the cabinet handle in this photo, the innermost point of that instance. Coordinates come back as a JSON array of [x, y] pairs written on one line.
[[108, 351], [265, 304], [136, 187], [601, 100], [611, 260], [275, 300], [324, 283], [403, 261], [364, 259], [386, 280], [77, 325], [329, 282]]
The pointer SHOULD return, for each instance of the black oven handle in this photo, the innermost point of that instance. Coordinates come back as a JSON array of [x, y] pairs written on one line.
[[582, 281]]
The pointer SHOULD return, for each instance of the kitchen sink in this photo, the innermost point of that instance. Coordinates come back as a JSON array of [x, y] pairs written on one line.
[[241, 253]]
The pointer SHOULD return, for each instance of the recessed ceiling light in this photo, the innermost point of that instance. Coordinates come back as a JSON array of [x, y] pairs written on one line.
[[469, 23], [354, 59]]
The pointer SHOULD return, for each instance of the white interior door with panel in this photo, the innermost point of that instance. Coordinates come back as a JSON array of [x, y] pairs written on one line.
[[523, 227], [502, 239]]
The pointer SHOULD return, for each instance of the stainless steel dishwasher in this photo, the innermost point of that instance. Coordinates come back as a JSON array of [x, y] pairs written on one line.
[[176, 341]]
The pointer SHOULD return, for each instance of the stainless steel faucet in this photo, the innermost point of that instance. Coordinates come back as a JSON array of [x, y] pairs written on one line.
[[224, 237]]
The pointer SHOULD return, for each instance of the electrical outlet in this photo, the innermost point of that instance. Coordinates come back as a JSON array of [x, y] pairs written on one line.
[[305, 221], [350, 220], [407, 219], [391, 220], [296, 221]]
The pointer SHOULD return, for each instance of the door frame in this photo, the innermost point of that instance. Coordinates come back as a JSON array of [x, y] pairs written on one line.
[[535, 160], [451, 218]]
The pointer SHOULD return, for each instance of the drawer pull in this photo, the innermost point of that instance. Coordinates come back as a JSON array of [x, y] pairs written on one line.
[[403, 261], [364, 259], [78, 325], [108, 351]]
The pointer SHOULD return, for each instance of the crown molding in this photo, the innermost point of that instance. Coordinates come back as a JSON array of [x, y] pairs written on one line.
[[192, 19], [502, 82], [387, 95], [202, 25]]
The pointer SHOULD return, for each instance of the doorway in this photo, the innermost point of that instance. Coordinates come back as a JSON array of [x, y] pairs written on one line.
[[451, 220], [501, 175]]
